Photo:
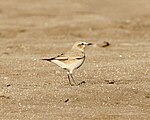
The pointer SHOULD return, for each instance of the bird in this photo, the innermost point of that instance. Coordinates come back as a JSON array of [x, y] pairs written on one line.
[[71, 60]]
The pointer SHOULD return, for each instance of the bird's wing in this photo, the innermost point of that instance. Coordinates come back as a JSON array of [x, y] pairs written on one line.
[[71, 55], [54, 58], [67, 57], [74, 54]]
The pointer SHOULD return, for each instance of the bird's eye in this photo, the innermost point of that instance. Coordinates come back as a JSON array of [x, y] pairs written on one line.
[[82, 43]]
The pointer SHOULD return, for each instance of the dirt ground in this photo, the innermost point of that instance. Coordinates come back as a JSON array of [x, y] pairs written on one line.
[[117, 76]]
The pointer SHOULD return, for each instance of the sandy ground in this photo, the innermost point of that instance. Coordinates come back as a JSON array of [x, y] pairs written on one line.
[[117, 77]]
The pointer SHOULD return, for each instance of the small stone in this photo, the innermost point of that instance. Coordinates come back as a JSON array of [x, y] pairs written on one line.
[[105, 44], [8, 85], [66, 100], [110, 82]]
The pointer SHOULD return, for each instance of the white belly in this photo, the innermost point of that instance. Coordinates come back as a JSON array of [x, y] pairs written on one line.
[[69, 65], [75, 64]]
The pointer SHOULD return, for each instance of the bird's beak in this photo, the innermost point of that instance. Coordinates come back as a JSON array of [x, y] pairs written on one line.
[[90, 44]]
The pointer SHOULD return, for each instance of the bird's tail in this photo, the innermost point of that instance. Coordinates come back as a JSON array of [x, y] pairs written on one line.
[[49, 59]]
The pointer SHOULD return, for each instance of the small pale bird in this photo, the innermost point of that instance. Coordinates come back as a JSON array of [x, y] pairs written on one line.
[[71, 60]]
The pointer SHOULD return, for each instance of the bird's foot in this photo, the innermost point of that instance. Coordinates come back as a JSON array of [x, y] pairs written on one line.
[[78, 83], [71, 84], [81, 83]]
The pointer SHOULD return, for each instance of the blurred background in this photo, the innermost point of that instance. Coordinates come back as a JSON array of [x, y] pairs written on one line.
[[117, 76]]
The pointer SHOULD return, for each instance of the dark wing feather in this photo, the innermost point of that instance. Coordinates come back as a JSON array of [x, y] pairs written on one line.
[[58, 57], [67, 56]]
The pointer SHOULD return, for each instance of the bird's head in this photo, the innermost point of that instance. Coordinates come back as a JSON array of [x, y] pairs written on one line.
[[81, 45]]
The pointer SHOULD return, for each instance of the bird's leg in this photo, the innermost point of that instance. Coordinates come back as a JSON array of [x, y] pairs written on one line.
[[73, 79], [68, 74]]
